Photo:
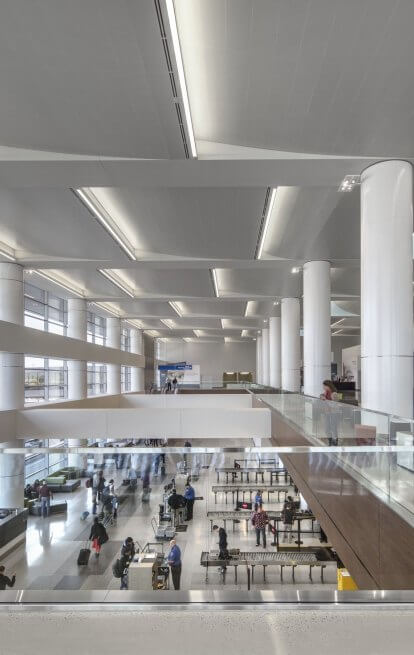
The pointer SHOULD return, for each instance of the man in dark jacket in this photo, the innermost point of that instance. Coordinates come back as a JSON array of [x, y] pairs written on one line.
[[127, 555], [222, 543], [98, 536], [5, 581]]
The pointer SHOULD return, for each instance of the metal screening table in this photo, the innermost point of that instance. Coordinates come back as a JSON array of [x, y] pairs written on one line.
[[245, 472], [236, 516], [264, 559], [235, 490]]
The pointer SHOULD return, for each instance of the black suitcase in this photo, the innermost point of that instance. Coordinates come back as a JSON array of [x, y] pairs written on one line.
[[83, 557]]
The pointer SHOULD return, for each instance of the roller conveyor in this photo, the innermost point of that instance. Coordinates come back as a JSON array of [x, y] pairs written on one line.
[[264, 559], [235, 490], [274, 515], [232, 474]]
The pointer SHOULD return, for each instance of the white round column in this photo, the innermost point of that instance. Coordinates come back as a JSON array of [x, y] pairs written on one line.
[[275, 365], [11, 383], [113, 340], [387, 288], [265, 357], [137, 373], [77, 329], [259, 359], [290, 329], [316, 326]]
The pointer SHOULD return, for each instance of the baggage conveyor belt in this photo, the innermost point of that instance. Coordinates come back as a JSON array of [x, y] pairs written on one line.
[[233, 473], [236, 516], [235, 490], [252, 559]]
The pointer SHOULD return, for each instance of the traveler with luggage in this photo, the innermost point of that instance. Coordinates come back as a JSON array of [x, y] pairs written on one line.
[[189, 495], [127, 555], [45, 496], [98, 536], [260, 520], [5, 581], [176, 502], [288, 517], [174, 561]]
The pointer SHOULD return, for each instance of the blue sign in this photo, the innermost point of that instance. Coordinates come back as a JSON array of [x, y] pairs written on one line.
[[181, 366]]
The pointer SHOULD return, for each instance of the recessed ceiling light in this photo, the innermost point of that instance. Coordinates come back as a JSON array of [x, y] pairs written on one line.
[[112, 277], [94, 206], [264, 320], [181, 74], [106, 308], [349, 182], [134, 323], [276, 302], [296, 269], [266, 222], [7, 255], [167, 322], [215, 282], [60, 283]]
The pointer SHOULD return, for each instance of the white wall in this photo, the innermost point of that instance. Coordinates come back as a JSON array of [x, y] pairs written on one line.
[[350, 358], [214, 358], [339, 343], [187, 400]]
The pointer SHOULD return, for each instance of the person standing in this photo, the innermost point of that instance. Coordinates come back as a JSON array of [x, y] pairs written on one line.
[[175, 383], [223, 547], [98, 536], [260, 520], [5, 581], [174, 560], [189, 495], [45, 496], [331, 415], [288, 517], [127, 555], [258, 500]]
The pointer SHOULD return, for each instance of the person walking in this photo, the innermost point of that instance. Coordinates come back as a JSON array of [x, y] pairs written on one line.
[[127, 555], [175, 383], [189, 495], [45, 496], [331, 415], [5, 581], [260, 520], [100, 485], [174, 560], [98, 536]]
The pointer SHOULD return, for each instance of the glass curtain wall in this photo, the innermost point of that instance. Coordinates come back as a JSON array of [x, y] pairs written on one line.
[[44, 311], [37, 466], [96, 378], [45, 379], [96, 329]]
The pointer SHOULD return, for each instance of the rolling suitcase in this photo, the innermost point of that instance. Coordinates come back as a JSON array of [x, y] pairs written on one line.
[[83, 557]]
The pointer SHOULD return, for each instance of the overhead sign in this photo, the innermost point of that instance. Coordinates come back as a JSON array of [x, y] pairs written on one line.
[[182, 366]]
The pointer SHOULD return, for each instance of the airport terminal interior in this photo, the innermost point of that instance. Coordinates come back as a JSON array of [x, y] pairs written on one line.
[[206, 326]]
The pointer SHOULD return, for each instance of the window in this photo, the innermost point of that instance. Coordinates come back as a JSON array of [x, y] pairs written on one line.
[[44, 311], [125, 378], [126, 339], [96, 329], [39, 465], [96, 378], [45, 379]]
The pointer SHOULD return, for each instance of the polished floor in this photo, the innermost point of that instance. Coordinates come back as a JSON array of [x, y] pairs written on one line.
[[49, 558]]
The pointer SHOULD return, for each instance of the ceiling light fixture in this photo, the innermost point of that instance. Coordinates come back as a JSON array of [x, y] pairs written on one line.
[[176, 307], [276, 302], [266, 223], [153, 333], [181, 74], [94, 206], [167, 322], [296, 269], [246, 312], [134, 323], [213, 273], [349, 182], [7, 255], [112, 277], [60, 283], [337, 322], [104, 306]]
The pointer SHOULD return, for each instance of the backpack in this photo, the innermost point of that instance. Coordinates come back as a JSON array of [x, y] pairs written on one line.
[[118, 569]]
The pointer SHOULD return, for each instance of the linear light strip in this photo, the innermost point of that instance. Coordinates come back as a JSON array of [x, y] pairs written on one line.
[[167, 322], [181, 74], [215, 282], [112, 278], [63, 285], [6, 254], [106, 309], [104, 222], [134, 324], [266, 223], [175, 307]]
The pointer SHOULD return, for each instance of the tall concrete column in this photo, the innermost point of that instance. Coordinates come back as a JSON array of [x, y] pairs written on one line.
[[265, 357], [290, 324], [11, 383], [113, 340], [387, 288], [77, 329], [316, 326], [137, 373], [77, 370], [259, 359], [275, 365]]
